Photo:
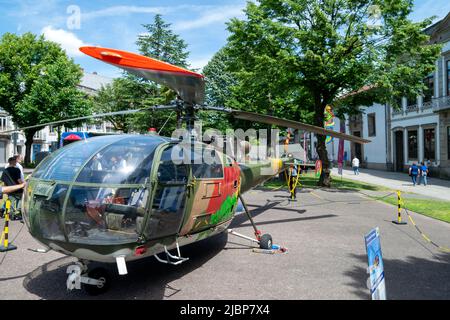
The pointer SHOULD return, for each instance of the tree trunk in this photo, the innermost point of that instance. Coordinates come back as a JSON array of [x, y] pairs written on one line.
[[59, 138], [325, 178], [28, 143]]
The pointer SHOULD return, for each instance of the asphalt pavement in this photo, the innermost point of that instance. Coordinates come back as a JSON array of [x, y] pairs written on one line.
[[326, 259]]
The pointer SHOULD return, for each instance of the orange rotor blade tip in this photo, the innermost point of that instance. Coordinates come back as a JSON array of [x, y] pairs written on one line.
[[105, 54]]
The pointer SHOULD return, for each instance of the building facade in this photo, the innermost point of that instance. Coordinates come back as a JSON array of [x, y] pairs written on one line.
[[417, 132]]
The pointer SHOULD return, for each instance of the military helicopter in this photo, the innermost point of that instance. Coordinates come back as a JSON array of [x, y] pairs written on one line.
[[120, 198]]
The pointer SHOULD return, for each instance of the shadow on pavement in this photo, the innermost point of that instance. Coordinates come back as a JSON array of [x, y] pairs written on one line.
[[410, 279], [291, 220], [146, 278], [241, 218]]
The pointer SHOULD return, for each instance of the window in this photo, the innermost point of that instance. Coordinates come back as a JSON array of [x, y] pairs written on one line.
[[66, 163], [207, 163], [398, 103], [171, 169], [96, 215], [127, 161], [448, 143], [3, 123], [448, 77], [429, 144], [428, 93], [371, 125], [410, 101], [412, 145]]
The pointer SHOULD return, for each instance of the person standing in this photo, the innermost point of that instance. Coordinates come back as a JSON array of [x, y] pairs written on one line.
[[413, 172], [423, 174], [11, 177], [12, 174], [292, 181], [19, 160], [18, 165], [355, 165]]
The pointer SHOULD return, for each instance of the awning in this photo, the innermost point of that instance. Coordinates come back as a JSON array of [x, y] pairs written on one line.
[[72, 137]]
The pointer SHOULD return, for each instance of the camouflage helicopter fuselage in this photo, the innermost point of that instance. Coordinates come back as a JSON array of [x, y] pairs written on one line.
[[127, 196]]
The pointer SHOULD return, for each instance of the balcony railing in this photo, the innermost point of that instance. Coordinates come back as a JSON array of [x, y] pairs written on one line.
[[442, 103], [412, 108], [427, 105], [396, 112]]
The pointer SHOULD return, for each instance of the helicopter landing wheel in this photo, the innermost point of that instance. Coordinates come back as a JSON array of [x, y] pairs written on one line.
[[101, 275], [266, 242]]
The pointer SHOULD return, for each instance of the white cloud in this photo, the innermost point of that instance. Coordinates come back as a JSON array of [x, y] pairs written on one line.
[[68, 40], [215, 15]]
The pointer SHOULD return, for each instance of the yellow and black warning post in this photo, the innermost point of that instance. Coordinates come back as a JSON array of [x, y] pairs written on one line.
[[6, 246], [292, 181], [399, 209]]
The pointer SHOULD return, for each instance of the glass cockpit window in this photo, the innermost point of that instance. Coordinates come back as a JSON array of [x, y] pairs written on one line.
[[48, 211], [207, 163], [171, 168], [64, 165], [97, 215], [127, 161]]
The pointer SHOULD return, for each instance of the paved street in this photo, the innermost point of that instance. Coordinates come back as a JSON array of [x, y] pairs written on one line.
[[436, 188], [326, 258]]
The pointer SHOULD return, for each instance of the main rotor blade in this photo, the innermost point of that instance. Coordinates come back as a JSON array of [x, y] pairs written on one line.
[[251, 116], [93, 116], [190, 86]]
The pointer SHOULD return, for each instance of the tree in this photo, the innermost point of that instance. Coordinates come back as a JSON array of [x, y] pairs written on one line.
[[124, 93], [219, 81], [38, 83], [327, 48], [132, 92], [229, 84], [159, 42]]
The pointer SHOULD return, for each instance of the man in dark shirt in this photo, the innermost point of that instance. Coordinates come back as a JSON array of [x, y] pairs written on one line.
[[12, 175]]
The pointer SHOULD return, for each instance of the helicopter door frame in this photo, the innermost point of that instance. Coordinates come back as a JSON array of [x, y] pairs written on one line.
[[175, 190]]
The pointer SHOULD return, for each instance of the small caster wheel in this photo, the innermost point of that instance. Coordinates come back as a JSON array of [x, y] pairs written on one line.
[[98, 274], [266, 242]]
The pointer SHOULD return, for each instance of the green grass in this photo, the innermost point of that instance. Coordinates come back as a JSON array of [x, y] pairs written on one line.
[[310, 181], [436, 209]]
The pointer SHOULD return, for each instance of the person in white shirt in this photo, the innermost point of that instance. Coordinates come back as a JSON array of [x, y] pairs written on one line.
[[19, 166], [355, 165]]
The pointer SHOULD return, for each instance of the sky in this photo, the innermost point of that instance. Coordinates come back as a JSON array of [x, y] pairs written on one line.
[[117, 23]]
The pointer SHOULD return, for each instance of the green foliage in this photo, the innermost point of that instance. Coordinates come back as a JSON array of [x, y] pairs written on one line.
[[123, 94], [38, 83], [311, 52], [159, 42], [309, 180], [132, 92]]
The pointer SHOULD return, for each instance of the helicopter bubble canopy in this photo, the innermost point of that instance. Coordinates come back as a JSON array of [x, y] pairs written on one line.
[[93, 191]]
